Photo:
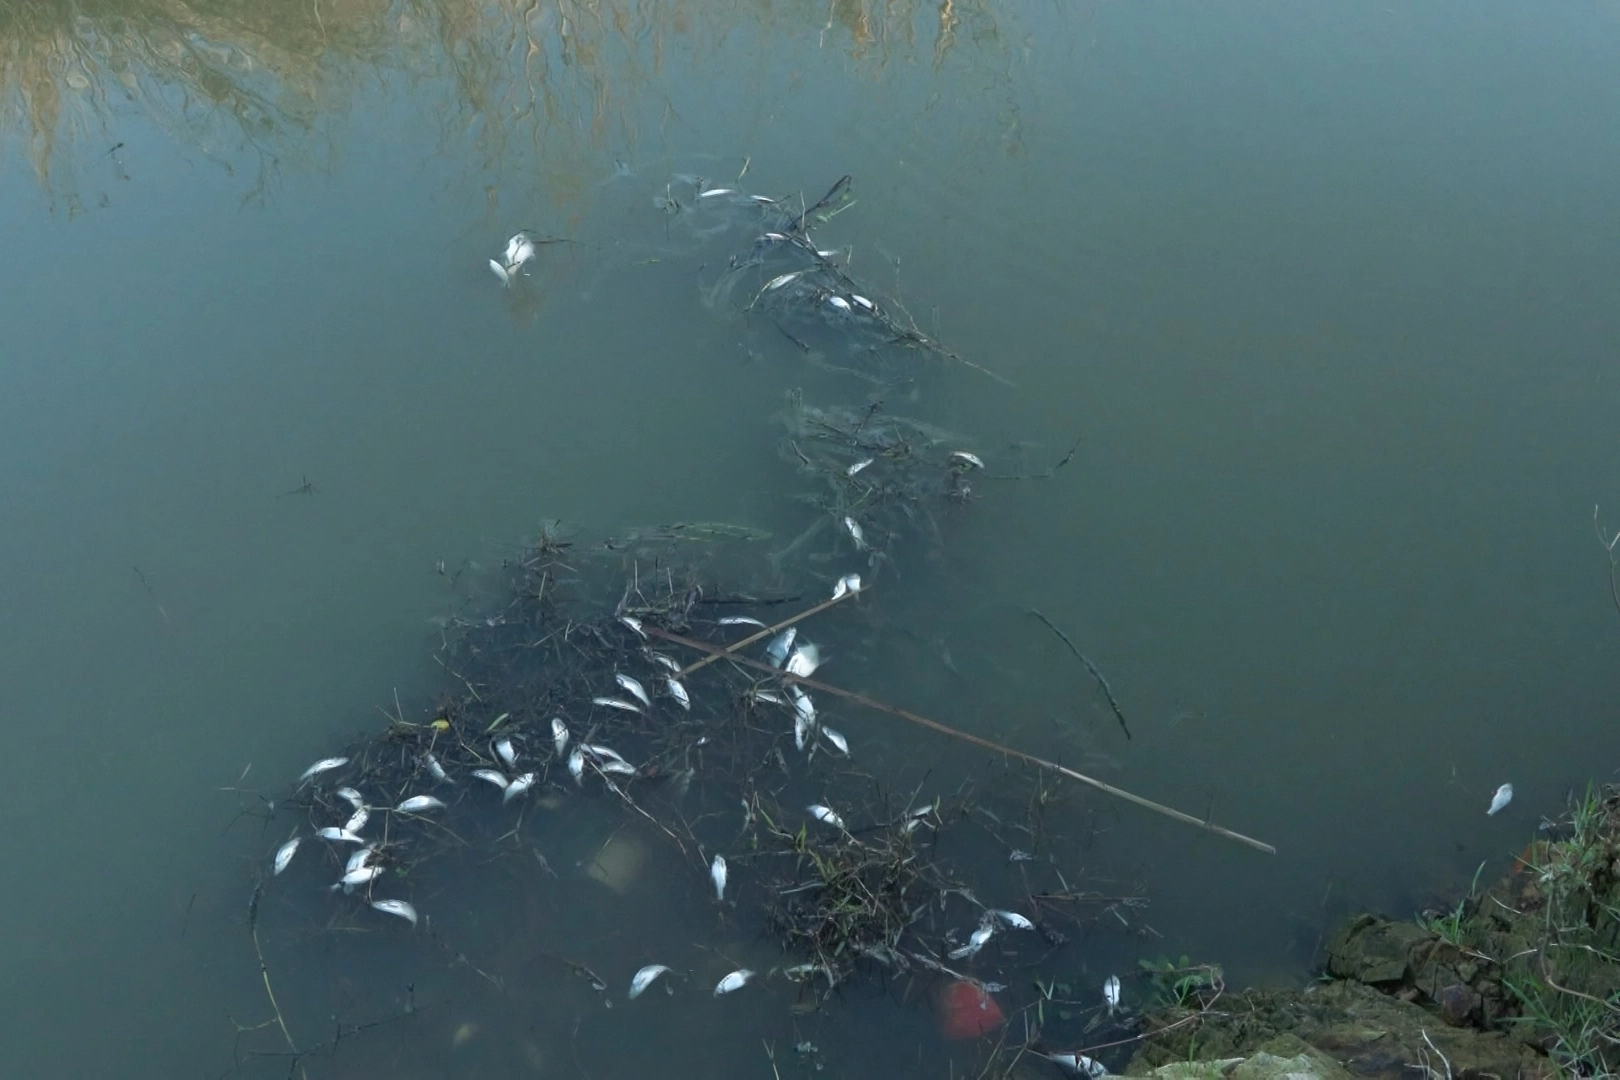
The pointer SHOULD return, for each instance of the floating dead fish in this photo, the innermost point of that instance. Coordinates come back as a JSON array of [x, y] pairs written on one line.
[[840, 304], [964, 952], [716, 191], [434, 769], [363, 875], [505, 751], [645, 978], [717, 874], [419, 804], [801, 732], [617, 768], [862, 302], [559, 735], [735, 981], [776, 652], [336, 835], [667, 662], [576, 766], [284, 854], [804, 661], [770, 697], [840, 743], [350, 796], [634, 689], [357, 820], [1111, 993], [823, 814], [493, 777], [1499, 801], [802, 705], [519, 250], [858, 466], [519, 786], [781, 279], [1013, 919], [361, 857], [855, 532], [602, 753], [634, 624], [396, 907], [1078, 1065], [678, 692], [849, 583], [962, 457], [740, 620], [501, 272], [323, 765], [615, 703]]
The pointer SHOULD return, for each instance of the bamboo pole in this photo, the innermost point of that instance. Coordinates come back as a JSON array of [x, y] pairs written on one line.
[[715, 652]]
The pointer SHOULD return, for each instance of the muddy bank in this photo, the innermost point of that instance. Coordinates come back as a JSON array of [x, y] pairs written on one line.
[[1520, 979]]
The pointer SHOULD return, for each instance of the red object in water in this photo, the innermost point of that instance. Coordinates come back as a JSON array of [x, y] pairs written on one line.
[[966, 1011]]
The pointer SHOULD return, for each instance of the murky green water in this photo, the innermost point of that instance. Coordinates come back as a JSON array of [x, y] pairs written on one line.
[[1326, 293]]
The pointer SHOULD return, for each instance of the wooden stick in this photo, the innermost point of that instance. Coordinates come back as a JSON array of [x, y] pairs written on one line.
[[1095, 674], [716, 653]]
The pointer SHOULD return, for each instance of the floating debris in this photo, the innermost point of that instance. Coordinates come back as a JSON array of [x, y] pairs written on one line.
[[1499, 801], [323, 765], [645, 978], [634, 689], [717, 874], [396, 907], [284, 854], [733, 982], [419, 804]]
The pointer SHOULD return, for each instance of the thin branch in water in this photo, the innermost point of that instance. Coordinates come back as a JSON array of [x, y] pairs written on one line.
[[721, 653], [1608, 546], [1095, 674]]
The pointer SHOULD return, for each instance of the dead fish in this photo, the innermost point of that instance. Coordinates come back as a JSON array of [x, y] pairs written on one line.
[[434, 769], [962, 457], [505, 751], [1111, 993], [357, 820], [717, 874], [284, 854], [841, 304], [855, 532], [740, 620], [776, 652], [858, 466], [576, 766], [717, 191], [617, 768], [396, 907], [363, 875], [418, 804], [1018, 922], [519, 786], [735, 981], [849, 583], [838, 741], [501, 272], [513, 245], [1499, 801], [822, 813], [336, 835], [781, 279], [614, 703], [862, 302], [666, 662], [678, 692], [361, 857], [770, 697], [634, 688], [802, 705], [645, 978], [964, 951], [1078, 1065], [493, 777], [804, 661], [350, 796], [635, 624], [801, 732], [323, 765], [519, 250], [559, 735], [601, 753]]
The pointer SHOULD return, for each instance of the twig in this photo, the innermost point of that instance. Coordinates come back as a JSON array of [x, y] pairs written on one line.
[[167, 622], [1095, 674], [264, 974], [716, 653], [1436, 1049], [1608, 546]]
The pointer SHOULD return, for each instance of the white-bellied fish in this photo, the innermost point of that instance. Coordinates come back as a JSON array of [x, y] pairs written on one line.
[[615, 703], [357, 820], [1499, 801], [493, 777], [501, 272], [717, 874], [777, 651], [576, 765], [1013, 919], [362, 875], [712, 192], [645, 978], [840, 304], [559, 735], [962, 457], [849, 583], [855, 533], [635, 624], [350, 796], [740, 620], [858, 466], [803, 661], [323, 765], [733, 982], [1111, 993], [862, 302], [506, 752], [1078, 1065], [675, 690], [336, 836], [617, 768], [396, 907], [284, 854], [633, 688], [361, 857], [602, 753], [802, 705], [434, 769], [801, 732], [825, 815], [419, 804], [666, 662], [519, 250], [519, 786], [782, 279], [840, 743]]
